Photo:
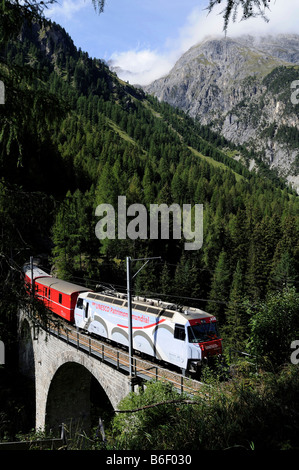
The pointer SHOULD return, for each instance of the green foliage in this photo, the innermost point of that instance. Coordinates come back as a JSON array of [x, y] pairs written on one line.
[[89, 138], [251, 413], [82, 138], [295, 166], [72, 137], [274, 324], [71, 235], [152, 428], [289, 135], [232, 8]]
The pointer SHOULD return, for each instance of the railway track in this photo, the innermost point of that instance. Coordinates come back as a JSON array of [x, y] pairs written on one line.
[[117, 357]]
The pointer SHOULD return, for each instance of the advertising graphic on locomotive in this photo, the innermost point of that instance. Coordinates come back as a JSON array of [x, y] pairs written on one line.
[[181, 336]]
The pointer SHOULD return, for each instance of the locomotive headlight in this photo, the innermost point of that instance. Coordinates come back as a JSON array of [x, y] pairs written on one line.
[[194, 366]]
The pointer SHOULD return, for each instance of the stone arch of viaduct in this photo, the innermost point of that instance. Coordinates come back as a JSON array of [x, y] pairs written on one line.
[[63, 377]]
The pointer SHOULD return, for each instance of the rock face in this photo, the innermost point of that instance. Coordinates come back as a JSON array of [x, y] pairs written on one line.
[[242, 88]]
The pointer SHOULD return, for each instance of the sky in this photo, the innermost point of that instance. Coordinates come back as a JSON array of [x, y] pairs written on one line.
[[144, 38]]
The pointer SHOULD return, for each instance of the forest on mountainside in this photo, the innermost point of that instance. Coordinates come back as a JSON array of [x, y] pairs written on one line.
[[74, 136]]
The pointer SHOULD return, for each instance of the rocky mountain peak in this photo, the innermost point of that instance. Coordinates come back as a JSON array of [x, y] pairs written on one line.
[[241, 87]]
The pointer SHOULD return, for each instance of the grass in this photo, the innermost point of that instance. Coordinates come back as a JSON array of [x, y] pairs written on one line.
[[215, 163]]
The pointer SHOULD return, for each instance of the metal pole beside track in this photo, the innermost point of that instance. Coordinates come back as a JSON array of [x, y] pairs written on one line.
[[130, 319], [129, 294]]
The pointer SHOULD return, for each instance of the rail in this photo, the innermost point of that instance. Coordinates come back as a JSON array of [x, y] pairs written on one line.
[[143, 370]]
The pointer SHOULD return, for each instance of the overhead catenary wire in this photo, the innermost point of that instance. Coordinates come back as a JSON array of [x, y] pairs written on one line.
[[118, 287], [145, 293]]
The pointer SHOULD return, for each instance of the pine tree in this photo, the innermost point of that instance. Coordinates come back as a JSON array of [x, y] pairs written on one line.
[[283, 273], [259, 261], [238, 234], [186, 280], [220, 287], [236, 317], [166, 284]]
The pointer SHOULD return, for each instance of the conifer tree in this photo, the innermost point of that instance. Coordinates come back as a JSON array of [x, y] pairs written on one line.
[[283, 273], [247, 8], [259, 261], [236, 317], [219, 293], [166, 282], [238, 234]]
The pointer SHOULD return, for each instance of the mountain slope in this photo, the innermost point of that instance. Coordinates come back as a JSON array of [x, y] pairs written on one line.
[[242, 88], [106, 139]]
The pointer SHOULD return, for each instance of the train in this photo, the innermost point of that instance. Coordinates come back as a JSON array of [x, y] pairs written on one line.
[[181, 336]]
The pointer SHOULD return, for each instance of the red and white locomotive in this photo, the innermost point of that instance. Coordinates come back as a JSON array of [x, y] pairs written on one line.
[[183, 336]]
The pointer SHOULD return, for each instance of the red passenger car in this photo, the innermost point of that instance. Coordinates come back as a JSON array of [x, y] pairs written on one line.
[[58, 296]]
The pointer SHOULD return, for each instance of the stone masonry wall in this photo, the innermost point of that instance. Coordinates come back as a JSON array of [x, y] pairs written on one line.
[[50, 354]]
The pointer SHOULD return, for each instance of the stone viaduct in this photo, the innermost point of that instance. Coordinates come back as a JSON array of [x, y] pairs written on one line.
[[65, 378]]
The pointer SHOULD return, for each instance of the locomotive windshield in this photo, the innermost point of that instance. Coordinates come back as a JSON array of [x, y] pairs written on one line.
[[202, 332]]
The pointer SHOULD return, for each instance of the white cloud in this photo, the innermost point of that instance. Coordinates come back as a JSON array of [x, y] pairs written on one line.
[[65, 10], [144, 66], [141, 66], [282, 15]]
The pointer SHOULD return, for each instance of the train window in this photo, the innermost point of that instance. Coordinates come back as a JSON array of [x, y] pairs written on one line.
[[86, 309], [80, 303], [49, 294], [202, 332], [60, 298], [179, 332], [46, 292]]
